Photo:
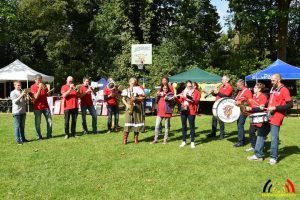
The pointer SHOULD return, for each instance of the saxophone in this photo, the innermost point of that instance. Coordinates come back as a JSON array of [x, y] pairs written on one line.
[[131, 103]]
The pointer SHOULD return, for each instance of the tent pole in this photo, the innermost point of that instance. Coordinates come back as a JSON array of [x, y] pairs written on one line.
[[5, 90], [28, 100]]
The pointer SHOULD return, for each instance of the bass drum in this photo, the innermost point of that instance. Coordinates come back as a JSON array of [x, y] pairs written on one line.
[[226, 110]]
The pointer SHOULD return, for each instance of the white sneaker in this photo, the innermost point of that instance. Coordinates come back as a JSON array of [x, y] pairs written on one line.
[[66, 137], [193, 145], [182, 144], [254, 157], [272, 161], [250, 149]]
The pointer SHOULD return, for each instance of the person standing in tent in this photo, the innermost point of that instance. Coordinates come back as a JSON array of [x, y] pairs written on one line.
[[279, 102], [224, 91], [70, 100], [40, 106], [19, 112], [86, 103], [111, 93]]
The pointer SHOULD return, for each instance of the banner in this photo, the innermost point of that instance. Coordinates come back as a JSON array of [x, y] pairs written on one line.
[[141, 54], [206, 89]]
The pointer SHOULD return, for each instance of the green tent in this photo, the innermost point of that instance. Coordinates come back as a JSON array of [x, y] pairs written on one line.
[[195, 75]]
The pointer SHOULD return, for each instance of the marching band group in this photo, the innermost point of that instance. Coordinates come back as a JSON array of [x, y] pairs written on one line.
[[273, 109]]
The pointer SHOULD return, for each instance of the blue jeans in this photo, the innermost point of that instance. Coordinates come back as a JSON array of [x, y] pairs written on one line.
[[19, 120], [240, 126], [37, 115], [262, 133], [191, 119], [110, 110], [214, 126], [92, 111]]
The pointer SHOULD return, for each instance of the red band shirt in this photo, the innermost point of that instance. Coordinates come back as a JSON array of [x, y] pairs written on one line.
[[278, 97], [70, 101], [86, 100], [41, 102]]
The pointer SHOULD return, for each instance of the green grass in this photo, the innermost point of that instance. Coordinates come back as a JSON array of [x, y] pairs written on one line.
[[100, 167]]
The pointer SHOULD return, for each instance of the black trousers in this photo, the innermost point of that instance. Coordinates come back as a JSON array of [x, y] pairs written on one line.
[[73, 113]]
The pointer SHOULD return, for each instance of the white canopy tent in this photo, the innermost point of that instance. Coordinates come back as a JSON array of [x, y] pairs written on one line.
[[19, 71]]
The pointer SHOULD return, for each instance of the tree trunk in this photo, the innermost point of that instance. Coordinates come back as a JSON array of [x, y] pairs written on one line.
[[283, 16]]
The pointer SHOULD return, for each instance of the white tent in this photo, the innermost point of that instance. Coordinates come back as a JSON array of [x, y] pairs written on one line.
[[19, 71]]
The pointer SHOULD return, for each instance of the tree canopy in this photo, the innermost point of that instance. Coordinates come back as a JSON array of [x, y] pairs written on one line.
[[94, 37]]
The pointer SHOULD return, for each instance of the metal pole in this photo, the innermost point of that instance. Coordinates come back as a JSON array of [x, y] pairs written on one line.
[[28, 100]]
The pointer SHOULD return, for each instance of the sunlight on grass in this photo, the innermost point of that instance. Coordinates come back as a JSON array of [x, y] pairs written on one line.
[[100, 167]]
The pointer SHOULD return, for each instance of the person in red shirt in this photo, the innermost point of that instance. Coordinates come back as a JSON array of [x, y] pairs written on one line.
[[165, 82], [164, 111], [40, 106], [189, 100], [70, 100], [86, 103], [279, 102], [111, 98], [224, 91], [243, 95], [259, 100]]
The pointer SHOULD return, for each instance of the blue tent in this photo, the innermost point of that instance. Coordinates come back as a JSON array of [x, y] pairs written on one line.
[[103, 83], [287, 72]]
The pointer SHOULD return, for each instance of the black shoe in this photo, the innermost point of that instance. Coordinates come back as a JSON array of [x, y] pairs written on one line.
[[26, 140], [19, 143], [48, 137], [238, 144], [210, 135]]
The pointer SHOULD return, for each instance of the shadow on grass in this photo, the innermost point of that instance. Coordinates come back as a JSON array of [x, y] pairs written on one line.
[[288, 151]]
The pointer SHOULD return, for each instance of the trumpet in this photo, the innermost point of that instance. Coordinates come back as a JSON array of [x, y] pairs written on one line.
[[28, 94]]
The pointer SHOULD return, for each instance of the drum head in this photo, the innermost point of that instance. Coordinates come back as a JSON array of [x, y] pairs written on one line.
[[227, 111]]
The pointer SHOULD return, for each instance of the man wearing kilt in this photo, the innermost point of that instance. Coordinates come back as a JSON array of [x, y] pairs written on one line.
[[133, 98]]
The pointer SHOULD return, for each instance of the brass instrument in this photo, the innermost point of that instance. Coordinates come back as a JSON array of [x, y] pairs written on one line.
[[28, 94], [77, 87], [243, 107], [111, 85], [131, 104]]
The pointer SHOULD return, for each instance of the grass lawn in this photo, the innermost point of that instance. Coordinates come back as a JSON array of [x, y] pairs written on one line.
[[100, 167]]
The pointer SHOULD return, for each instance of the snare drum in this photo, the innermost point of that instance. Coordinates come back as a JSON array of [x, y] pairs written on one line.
[[225, 109], [258, 118]]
